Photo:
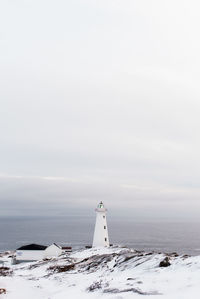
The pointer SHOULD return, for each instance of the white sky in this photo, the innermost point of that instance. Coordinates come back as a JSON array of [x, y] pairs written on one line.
[[100, 100]]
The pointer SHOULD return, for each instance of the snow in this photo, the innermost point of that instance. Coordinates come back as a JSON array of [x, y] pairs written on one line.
[[81, 254], [110, 273]]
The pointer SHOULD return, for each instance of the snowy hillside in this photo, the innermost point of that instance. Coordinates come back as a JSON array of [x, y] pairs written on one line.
[[113, 273]]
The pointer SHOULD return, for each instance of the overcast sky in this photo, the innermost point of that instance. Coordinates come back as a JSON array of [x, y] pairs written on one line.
[[100, 100]]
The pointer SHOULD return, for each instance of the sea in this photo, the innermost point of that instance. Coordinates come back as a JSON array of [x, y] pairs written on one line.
[[77, 231]]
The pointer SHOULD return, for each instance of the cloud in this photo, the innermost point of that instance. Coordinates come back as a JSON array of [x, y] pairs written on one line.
[[101, 103]]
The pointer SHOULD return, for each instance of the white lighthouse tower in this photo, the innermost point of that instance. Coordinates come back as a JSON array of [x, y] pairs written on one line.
[[101, 230]]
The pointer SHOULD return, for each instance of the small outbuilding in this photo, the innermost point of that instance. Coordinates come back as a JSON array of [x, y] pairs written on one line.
[[30, 253], [53, 250], [36, 252]]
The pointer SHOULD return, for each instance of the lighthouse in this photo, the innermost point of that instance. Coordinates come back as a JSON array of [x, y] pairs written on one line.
[[100, 238]]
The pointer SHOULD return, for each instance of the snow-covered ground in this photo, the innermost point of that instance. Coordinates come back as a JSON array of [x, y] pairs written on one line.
[[112, 273]]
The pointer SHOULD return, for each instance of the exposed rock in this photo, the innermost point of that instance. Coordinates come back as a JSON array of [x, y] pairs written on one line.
[[95, 286], [5, 271], [165, 262], [172, 254], [130, 278], [2, 291], [133, 290], [38, 264], [128, 257], [185, 256], [94, 262], [61, 268], [149, 253]]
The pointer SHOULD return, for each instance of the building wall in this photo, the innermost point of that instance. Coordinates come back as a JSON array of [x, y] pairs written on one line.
[[29, 255], [52, 251]]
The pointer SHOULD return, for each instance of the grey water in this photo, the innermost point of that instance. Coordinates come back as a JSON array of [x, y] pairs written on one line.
[[77, 231]]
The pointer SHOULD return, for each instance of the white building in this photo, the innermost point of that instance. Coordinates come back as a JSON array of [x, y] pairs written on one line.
[[100, 238], [35, 252], [53, 250], [30, 253]]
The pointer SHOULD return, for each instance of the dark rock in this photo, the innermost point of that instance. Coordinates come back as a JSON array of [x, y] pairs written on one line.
[[165, 262], [172, 254], [133, 290], [130, 278], [5, 271], [95, 286], [149, 253], [129, 257], [2, 291], [94, 262], [63, 268], [185, 256], [40, 263]]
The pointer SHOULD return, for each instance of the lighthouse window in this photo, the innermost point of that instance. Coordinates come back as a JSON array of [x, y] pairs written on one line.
[[103, 216], [105, 239], [104, 227]]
